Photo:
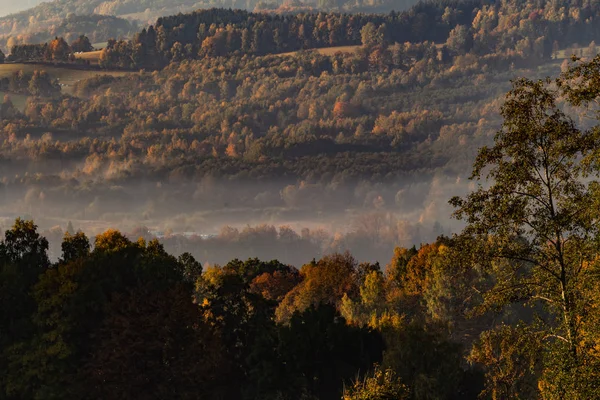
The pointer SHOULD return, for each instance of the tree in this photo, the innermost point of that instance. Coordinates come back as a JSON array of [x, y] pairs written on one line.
[[81, 44], [324, 282], [58, 50], [371, 36], [75, 246], [426, 361], [41, 84], [24, 246], [274, 286], [2, 57], [330, 352], [94, 296], [153, 344], [460, 40], [246, 322], [533, 229], [512, 357], [23, 257], [380, 385], [192, 269], [111, 240]]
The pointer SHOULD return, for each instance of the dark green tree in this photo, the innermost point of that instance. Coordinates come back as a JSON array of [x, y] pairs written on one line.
[[75, 246], [154, 344], [192, 269], [82, 44], [23, 258], [330, 353]]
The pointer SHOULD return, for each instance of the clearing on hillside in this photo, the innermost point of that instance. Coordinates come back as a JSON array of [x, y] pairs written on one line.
[[19, 100], [92, 56], [578, 51], [328, 51], [67, 77]]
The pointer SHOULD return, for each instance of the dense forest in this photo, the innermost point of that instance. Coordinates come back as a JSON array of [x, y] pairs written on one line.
[[332, 152], [506, 309], [32, 24], [505, 29], [127, 320]]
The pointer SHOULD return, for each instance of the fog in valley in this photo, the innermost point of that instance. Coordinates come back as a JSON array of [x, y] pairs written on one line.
[[219, 219]]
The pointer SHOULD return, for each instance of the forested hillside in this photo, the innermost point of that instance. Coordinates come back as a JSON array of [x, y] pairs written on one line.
[[229, 134], [508, 29], [24, 25], [255, 139], [343, 138], [505, 309]]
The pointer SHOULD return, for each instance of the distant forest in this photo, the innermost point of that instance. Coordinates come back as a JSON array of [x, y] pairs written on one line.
[[109, 18], [504, 29]]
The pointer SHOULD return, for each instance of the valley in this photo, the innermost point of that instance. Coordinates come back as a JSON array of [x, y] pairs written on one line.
[[300, 200]]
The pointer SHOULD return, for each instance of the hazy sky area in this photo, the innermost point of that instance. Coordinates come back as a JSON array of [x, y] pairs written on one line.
[[13, 6]]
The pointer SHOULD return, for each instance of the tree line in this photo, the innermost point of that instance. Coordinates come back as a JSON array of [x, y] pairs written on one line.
[[57, 50], [125, 319], [465, 27], [36, 83]]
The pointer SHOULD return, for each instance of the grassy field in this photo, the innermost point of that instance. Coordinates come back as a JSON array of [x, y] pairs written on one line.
[[562, 54], [19, 100], [67, 77], [329, 51], [92, 56]]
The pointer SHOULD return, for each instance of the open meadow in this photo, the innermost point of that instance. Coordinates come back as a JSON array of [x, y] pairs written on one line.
[[329, 51], [92, 56]]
